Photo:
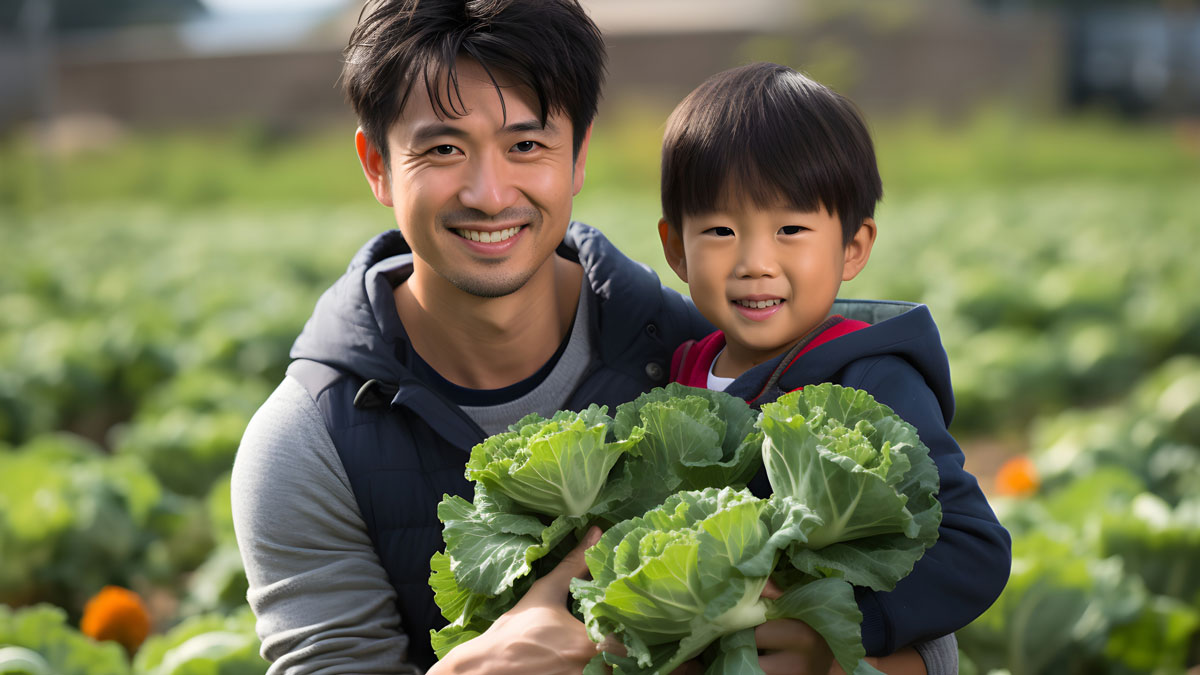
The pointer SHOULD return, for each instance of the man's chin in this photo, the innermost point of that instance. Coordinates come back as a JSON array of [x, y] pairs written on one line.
[[489, 287]]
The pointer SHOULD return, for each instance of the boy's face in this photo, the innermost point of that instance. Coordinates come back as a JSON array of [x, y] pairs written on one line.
[[483, 199], [765, 277]]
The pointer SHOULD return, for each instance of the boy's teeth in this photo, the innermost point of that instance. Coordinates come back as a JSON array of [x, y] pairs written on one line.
[[487, 237], [759, 304]]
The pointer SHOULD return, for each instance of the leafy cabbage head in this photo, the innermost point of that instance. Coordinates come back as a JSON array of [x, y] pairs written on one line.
[[691, 439], [864, 473], [556, 467], [667, 583]]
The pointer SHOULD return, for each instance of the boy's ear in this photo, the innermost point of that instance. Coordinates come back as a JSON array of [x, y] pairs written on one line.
[[672, 243], [858, 250], [579, 168], [374, 168]]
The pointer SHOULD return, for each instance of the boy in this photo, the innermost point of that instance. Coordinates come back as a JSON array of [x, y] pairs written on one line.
[[769, 186]]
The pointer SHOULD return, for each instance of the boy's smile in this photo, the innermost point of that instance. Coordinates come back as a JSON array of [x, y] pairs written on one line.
[[765, 277]]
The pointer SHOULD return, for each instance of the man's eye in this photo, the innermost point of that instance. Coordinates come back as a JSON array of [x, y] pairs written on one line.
[[721, 231], [445, 150], [525, 146], [792, 229]]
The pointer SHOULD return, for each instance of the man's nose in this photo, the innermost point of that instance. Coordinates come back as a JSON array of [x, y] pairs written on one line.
[[489, 185], [756, 259]]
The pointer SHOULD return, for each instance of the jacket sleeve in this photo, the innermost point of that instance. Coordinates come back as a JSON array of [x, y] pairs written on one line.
[[321, 597], [963, 573]]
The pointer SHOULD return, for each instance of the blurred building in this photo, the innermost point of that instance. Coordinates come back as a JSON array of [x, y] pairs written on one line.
[[1138, 59], [944, 56]]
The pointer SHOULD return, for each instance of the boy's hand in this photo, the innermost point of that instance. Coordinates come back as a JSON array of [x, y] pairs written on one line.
[[538, 635], [790, 647]]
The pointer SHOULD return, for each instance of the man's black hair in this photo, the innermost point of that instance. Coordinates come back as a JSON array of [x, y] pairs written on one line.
[[768, 134], [550, 46]]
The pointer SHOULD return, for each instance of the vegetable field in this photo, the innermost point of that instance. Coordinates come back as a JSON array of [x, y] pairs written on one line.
[[147, 313]]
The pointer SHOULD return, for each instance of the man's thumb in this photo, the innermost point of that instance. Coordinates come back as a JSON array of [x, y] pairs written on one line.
[[558, 582]]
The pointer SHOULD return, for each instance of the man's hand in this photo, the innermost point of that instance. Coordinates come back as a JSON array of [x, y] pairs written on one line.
[[790, 647], [538, 635], [612, 645]]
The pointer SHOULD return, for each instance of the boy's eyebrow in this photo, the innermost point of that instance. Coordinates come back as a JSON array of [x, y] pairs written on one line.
[[429, 131]]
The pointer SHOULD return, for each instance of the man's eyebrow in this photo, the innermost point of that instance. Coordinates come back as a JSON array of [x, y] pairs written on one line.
[[429, 131], [530, 125]]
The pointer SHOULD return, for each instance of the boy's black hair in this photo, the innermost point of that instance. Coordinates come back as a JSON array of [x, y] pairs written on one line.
[[550, 46], [767, 133]]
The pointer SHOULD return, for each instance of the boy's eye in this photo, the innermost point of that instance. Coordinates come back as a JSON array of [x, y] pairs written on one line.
[[720, 231], [792, 229], [525, 146]]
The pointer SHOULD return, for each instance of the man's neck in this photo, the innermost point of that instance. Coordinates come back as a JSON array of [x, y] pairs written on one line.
[[489, 343]]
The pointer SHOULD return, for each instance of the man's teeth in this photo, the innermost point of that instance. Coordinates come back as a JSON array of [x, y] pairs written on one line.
[[488, 237], [759, 304]]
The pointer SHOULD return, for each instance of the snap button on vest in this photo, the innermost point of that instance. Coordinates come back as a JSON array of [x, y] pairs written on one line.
[[655, 372]]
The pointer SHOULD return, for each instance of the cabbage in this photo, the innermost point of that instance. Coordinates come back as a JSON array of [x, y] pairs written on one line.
[[555, 467], [863, 472]]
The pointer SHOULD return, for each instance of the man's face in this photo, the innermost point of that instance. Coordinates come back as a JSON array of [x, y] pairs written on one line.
[[484, 199], [765, 277]]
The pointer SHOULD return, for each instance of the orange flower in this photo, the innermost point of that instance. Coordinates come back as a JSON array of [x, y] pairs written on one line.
[[116, 614], [1018, 477]]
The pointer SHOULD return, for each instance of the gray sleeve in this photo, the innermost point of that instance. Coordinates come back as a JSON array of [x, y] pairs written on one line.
[[940, 655], [322, 599]]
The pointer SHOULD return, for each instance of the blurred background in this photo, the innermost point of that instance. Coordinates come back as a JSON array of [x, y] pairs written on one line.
[[178, 184]]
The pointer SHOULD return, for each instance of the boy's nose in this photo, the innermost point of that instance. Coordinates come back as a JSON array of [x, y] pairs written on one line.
[[488, 186], [757, 260]]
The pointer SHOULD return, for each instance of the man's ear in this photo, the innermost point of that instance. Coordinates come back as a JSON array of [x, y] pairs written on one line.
[[858, 250], [672, 243], [374, 168], [579, 168]]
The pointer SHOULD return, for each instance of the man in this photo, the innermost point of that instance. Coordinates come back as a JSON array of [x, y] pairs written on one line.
[[483, 305]]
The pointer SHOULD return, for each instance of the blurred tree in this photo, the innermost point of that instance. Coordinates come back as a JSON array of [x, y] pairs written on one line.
[[72, 15]]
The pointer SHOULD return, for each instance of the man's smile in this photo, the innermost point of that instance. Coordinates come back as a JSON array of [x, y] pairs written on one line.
[[488, 236]]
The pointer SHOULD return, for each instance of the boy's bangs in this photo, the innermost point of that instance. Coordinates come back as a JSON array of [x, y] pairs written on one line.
[[761, 170], [748, 184]]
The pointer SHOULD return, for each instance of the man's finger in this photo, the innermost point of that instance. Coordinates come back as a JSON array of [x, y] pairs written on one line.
[[553, 587], [787, 634], [612, 645]]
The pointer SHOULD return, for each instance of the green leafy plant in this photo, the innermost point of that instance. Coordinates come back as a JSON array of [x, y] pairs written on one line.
[[205, 644], [38, 641]]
